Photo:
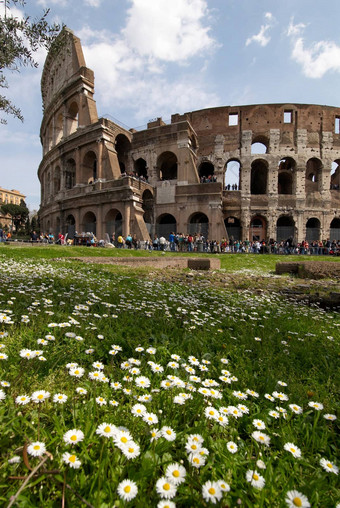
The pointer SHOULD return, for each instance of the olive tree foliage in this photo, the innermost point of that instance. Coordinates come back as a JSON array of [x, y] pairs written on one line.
[[20, 38]]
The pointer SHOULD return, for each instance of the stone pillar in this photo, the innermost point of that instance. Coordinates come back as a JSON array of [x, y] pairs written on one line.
[[78, 167], [100, 159], [99, 223], [126, 221]]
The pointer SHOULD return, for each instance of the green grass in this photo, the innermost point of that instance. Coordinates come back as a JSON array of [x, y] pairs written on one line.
[[198, 316]]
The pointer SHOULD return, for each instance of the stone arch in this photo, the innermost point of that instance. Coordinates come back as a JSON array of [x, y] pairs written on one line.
[[313, 229], [206, 169], [313, 174], [198, 223], [258, 228], [260, 144], [58, 128], [167, 166], [141, 168], [89, 223], [166, 224], [148, 207], [259, 177], [89, 172], [286, 174], [334, 229], [70, 226], [335, 175], [70, 174], [123, 147], [232, 175], [285, 228], [114, 222], [233, 227], [56, 180], [72, 118]]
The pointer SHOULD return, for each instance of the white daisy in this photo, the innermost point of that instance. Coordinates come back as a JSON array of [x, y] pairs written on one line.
[[127, 490], [255, 479], [295, 498], [36, 449], [329, 466], [73, 436], [165, 488], [71, 460], [211, 492], [175, 473]]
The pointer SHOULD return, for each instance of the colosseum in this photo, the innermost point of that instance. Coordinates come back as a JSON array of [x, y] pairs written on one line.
[[268, 171]]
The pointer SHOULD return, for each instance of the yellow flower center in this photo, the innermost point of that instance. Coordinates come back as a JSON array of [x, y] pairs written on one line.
[[60, 397], [72, 458], [169, 432], [131, 450], [211, 412], [297, 501], [212, 491], [36, 447], [235, 411], [261, 438], [193, 447], [166, 486], [176, 473], [124, 439], [76, 371], [138, 411], [40, 397], [329, 465], [255, 476], [23, 398], [127, 489], [107, 429], [73, 438], [196, 460], [293, 450]]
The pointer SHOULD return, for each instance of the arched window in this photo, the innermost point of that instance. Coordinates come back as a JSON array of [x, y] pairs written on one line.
[[285, 228], [287, 168], [89, 168], [258, 229], [199, 224], [148, 204], [334, 232], [72, 118], [56, 180], [59, 128], [167, 166], [70, 174], [232, 176], [141, 168], [123, 147], [259, 172], [335, 175], [165, 225], [206, 171], [260, 144], [313, 175], [233, 227], [114, 223], [89, 223], [313, 230]]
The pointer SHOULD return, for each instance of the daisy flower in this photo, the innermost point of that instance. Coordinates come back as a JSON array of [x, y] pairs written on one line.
[[40, 396], [224, 486], [150, 418], [255, 479], [260, 437], [232, 447], [73, 436], [294, 450], [211, 492], [122, 437], [329, 466], [22, 400], [131, 450], [77, 371], [234, 411], [61, 398], [127, 490], [5, 384], [196, 460], [259, 424], [106, 429], [101, 401], [165, 488], [36, 449], [14, 460], [71, 460], [168, 433], [280, 395], [295, 498], [330, 417], [166, 504], [115, 385], [295, 408], [240, 395], [155, 434], [142, 382], [269, 397], [211, 413], [274, 414], [316, 405], [175, 473], [113, 403], [82, 391]]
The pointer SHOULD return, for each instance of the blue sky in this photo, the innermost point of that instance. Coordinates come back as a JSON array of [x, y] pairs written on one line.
[[154, 58]]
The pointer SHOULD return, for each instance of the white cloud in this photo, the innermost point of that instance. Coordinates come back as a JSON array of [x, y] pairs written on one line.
[[317, 59], [262, 36], [168, 30], [45, 4]]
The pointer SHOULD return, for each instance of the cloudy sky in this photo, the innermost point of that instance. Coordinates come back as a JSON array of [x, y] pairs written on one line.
[[158, 57]]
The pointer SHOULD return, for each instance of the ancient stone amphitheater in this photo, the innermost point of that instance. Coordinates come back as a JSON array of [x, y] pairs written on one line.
[[250, 172]]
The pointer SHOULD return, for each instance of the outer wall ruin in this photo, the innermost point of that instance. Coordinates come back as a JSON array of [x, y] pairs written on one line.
[[273, 169]]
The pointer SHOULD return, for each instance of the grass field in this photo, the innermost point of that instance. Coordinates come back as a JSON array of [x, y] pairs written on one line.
[[147, 387]]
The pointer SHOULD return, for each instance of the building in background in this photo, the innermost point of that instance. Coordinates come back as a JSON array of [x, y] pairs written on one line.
[[9, 196], [247, 172]]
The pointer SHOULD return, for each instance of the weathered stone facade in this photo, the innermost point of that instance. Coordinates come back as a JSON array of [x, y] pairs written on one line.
[[292, 189]]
